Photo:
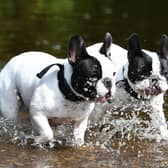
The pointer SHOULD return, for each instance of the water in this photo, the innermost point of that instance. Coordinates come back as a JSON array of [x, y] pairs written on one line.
[[117, 140]]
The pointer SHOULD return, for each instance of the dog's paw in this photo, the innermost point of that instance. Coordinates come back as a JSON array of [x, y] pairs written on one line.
[[42, 139], [78, 142]]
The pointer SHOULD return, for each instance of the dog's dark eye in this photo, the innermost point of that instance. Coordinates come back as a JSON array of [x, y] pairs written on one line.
[[95, 70], [145, 69]]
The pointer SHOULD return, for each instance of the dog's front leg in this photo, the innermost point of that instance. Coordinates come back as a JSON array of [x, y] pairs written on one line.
[[42, 126], [79, 131], [158, 118]]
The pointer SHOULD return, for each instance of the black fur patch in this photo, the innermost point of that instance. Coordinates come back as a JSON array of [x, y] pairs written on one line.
[[63, 85], [85, 76], [106, 45], [140, 64], [87, 71], [140, 67]]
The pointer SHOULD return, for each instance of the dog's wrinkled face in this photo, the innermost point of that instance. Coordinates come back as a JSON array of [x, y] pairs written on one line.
[[147, 71], [90, 76], [85, 76]]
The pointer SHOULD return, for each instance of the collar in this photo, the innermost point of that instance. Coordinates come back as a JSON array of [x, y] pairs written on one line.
[[67, 90], [125, 84]]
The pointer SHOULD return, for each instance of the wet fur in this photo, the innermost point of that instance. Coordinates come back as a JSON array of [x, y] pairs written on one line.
[[142, 70], [43, 97]]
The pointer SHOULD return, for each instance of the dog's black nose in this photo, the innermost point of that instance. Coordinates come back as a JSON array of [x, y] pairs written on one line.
[[107, 83], [155, 84], [154, 80]]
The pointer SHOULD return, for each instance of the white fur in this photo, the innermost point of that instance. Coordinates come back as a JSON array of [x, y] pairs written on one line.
[[122, 98], [108, 68], [118, 55], [146, 83], [43, 97]]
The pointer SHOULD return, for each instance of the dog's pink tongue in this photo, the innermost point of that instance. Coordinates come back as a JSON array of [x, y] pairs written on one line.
[[156, 92], [101, 99], [152, 91]]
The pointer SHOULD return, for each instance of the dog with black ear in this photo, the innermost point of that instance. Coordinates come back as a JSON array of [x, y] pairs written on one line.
[[117, 55], [142, 78], [63, 90], [145, 80], [113, 52]]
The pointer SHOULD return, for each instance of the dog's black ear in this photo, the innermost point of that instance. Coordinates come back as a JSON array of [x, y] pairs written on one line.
[[76, 49], [134, 48], [164, 46], [106, 44]]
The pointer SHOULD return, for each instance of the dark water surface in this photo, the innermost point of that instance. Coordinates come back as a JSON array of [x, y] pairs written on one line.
[[46, 26], [15, 156]]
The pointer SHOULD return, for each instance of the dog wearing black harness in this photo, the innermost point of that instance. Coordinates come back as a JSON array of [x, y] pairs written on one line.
[[64, 89]]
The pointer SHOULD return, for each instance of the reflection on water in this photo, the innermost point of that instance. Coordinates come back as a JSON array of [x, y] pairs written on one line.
[[47, 25], [132, 154], [117, 141]]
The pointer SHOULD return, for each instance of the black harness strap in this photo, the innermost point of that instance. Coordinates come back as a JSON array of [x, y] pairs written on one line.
[[45, 70], [63, 85]]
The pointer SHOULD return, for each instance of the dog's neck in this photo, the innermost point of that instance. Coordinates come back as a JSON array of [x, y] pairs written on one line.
[[64, 83], [131, 91], [64, 78], [125, 84]]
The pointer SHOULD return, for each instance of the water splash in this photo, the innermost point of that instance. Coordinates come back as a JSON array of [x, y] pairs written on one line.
[[117, 127], [112, 130], [22, 133]]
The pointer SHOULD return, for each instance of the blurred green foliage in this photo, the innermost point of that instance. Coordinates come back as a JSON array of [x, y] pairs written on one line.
[[47, 25]]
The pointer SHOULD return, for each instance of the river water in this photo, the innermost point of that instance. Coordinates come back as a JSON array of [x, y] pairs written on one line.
[[46, 26]]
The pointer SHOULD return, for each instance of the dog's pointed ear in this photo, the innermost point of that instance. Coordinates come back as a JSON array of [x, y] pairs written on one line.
[[164, 46], [76, 49], [106, 44], [134, 48]]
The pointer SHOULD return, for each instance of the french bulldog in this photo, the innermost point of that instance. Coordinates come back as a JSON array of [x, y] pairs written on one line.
[[64, 90], [142, 77]]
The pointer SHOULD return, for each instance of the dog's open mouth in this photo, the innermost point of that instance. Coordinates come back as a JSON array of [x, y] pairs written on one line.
[[151, 91], [106, 98], [155, 91]]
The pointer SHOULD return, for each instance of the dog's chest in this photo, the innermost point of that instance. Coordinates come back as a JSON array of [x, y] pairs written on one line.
[[124, 100], [66, 108]]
